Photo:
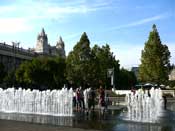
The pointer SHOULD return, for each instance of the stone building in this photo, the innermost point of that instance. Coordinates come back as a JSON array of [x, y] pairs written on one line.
[[44, 48], [13, 56]]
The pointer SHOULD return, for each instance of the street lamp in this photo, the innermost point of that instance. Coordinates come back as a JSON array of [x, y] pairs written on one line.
[[15, 45], [110, 74]]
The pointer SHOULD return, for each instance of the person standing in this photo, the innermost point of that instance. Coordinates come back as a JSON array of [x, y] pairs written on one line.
[[78, 101], [101, 97], [165, 102], [93, 95], [91, 99], [82, 104]]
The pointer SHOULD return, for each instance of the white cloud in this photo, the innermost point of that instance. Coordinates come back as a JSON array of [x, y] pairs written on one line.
[[16, 18], [141, 22], [79, 8], [146, 20], [13, 25], [6, 9], [20, 17], [128, 54], [49, 9]]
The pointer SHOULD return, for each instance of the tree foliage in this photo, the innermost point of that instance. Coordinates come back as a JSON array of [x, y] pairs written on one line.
[[88, 67], [78, 62], [127, 79], [44, 72], [154, 60], [104, 60], [9, 79], [2, 72]]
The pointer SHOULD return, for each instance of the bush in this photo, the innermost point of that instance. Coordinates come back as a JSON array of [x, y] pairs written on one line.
[[171, 83]]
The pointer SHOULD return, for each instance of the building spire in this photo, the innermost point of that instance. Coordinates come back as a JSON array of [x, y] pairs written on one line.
[[60, 40], [42, 32], [60, 43]]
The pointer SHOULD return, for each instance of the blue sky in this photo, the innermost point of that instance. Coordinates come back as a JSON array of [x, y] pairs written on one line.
[[123, 24]]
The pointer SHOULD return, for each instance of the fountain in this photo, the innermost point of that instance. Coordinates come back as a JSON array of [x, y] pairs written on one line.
[[86, 91], [145, 106], [27, 105], [55, 102]]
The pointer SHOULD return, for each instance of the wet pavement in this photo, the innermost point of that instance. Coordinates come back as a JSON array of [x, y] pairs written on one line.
[[94, 120], [9, 125], [110, 121]]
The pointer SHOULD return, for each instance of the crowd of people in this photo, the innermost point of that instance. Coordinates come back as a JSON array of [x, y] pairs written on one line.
[[87, 99]]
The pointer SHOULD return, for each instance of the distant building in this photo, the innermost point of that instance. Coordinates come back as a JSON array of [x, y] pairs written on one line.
[[136, 71], [172, 75], [12, 56]]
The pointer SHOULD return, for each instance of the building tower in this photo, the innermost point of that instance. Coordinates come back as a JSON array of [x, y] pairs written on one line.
[[42, 46], [60, 47]]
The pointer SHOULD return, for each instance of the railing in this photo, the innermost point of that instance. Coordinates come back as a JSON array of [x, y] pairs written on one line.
[[172, 92], [122, 92], [21, 51], [116, 100]]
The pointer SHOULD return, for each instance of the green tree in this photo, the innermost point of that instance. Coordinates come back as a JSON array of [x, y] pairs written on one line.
[[9, 79], [59, 71], [22, 74], [154, 60], [2, 72], [104, 60], [42, 72], [86, 66], [126, 79], [29, 73], [78, 62]]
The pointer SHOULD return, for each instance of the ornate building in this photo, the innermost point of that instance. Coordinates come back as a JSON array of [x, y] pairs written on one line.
[[43, 48]]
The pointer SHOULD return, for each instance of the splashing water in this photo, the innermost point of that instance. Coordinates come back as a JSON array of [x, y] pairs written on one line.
[[145, 106], [55, 102]]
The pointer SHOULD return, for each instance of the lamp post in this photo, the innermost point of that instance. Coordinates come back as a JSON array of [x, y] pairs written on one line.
[[110, 74], [15, 45]]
